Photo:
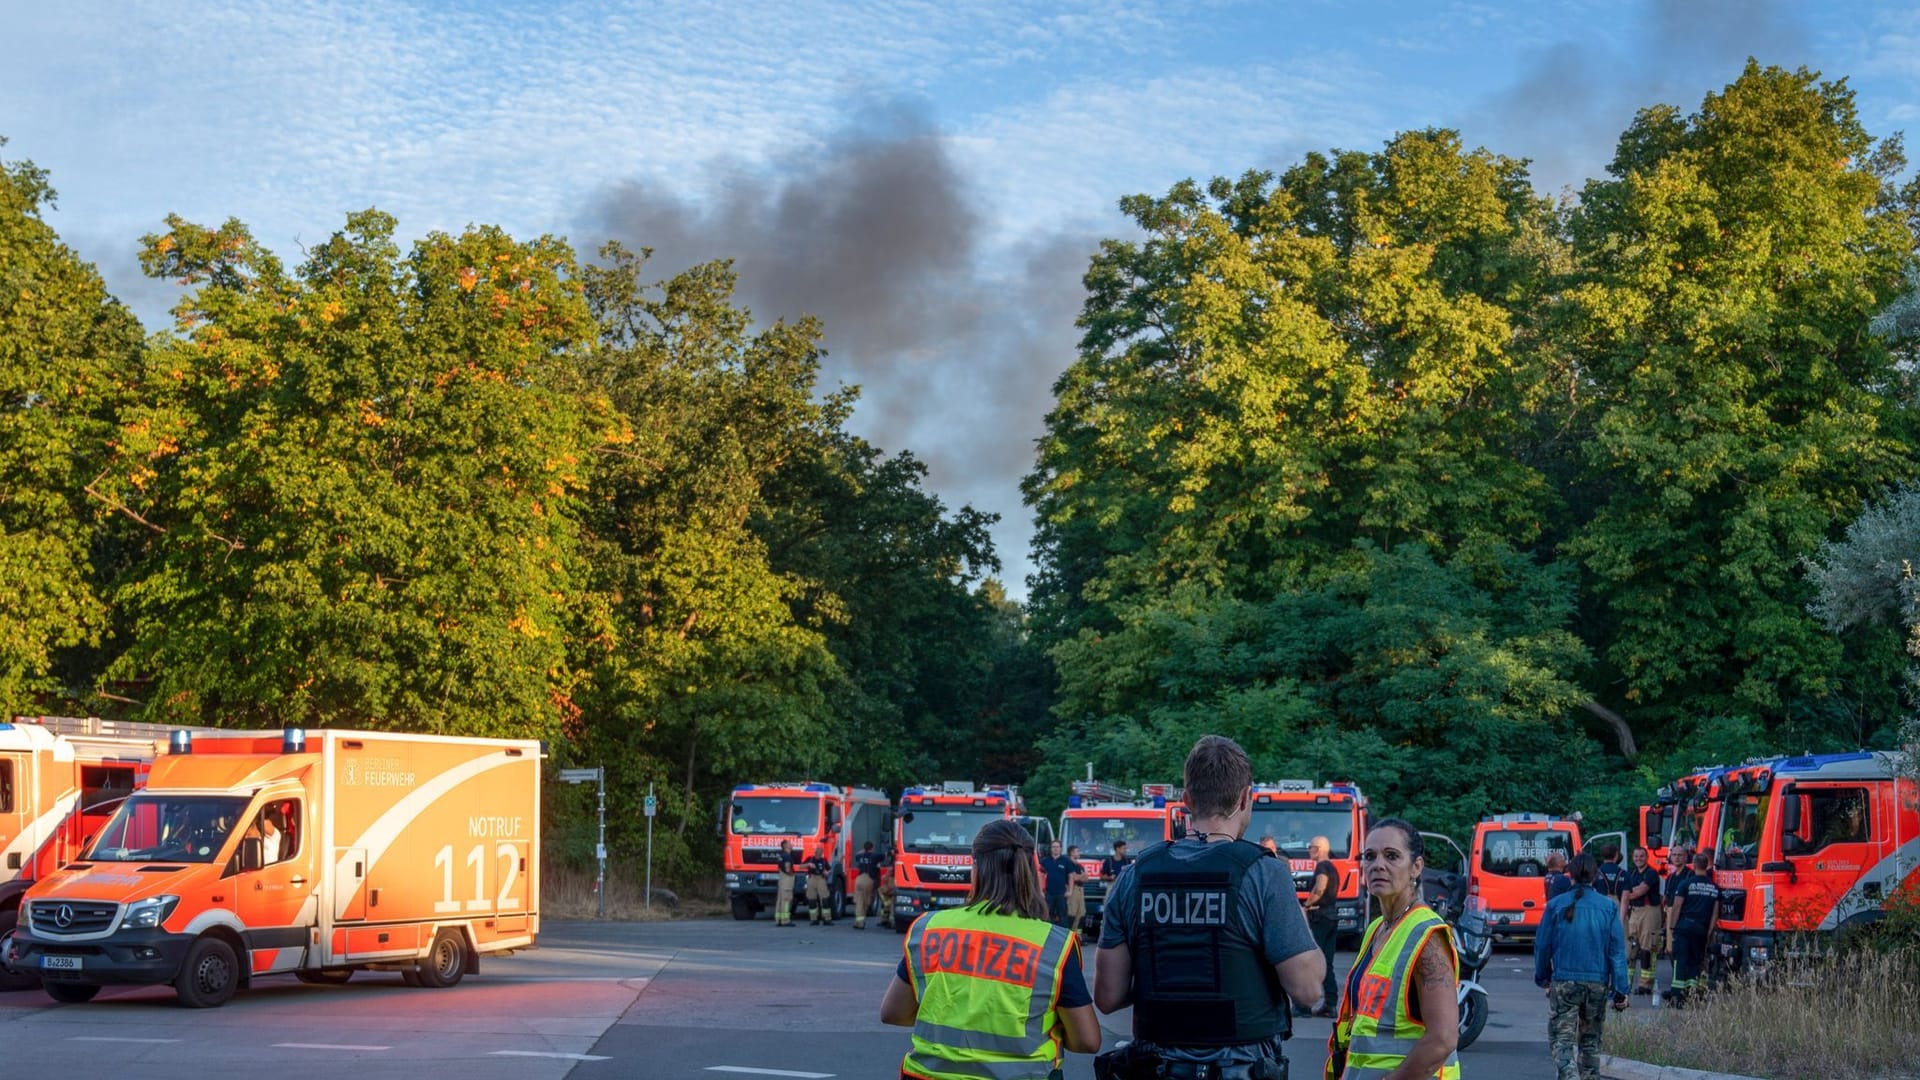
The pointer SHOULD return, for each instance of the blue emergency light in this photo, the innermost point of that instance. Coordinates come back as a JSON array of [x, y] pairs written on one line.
[[180, 742], [1073, 802], [818, 787], [1159, 802], [293, 740]]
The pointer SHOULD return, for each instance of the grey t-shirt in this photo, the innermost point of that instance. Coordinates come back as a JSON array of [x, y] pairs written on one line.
[[1267, 913]]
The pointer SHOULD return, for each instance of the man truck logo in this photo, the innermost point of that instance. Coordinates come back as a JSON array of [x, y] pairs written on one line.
[[63, 916]]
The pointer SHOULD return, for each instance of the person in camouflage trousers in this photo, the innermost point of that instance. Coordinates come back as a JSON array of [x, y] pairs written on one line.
[[1580, 957]]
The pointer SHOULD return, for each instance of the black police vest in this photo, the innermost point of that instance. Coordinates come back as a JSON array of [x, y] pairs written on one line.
[[1198, 980]]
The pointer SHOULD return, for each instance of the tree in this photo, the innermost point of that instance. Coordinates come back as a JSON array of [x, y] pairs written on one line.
[[1871, 579], [358, 483], [1734, 404], [67, 353]]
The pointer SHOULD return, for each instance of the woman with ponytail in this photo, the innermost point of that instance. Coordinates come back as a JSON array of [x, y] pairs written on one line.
[[1580, 957]]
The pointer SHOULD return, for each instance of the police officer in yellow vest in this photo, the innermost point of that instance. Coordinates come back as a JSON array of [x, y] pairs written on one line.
[[1205, 938], [1400, 1015], [991, 990]]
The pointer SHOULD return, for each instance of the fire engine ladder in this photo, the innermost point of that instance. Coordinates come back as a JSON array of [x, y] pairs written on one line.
[[1099, 792]]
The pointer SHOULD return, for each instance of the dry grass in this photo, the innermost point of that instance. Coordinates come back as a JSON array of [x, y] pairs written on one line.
[[1852, 1018], [568, 893]]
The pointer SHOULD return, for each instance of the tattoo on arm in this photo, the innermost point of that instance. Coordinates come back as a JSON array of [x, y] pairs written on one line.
[[1435, 972]]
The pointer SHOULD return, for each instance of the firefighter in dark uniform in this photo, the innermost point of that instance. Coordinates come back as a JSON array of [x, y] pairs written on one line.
[[1693, 901], [1205, 938], [819, 887], [867, 866]]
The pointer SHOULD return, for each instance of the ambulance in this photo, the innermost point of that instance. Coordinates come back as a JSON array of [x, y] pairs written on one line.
[[1292, 813], [812, 816], [1507, 865], [61, 778], [1099, 814], [1809, 846], [933, 843], [316, 854]]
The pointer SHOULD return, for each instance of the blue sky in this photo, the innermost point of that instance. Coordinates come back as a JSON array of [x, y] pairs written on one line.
[[926, 177]]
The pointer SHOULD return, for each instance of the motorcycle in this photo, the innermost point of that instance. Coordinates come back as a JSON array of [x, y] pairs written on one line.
[[1446, 894]]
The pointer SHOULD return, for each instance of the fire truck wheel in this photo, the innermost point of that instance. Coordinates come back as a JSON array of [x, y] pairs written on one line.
[[325, 977], [743, 909], [210, 975], [70, 993], [446, 962]]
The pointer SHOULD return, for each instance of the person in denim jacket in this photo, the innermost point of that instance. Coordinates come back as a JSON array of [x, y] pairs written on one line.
[[1580, 958]]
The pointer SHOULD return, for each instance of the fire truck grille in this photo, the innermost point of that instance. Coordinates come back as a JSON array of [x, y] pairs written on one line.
[[947, 876], [67, 917], [760, 857]]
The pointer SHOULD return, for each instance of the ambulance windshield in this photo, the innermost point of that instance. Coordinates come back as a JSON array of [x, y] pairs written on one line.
[[764, 815], [1094, 835], [168, 828], [946, 831], [1293, 827]]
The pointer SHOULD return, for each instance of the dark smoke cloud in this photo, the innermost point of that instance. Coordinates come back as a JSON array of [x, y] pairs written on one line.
[[1572, 101], [878, 233]]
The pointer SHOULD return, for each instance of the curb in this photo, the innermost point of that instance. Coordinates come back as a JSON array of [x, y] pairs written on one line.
[[1619, 1068]]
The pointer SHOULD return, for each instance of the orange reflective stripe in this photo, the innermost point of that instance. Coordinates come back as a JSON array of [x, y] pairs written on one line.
[[1372, 994]]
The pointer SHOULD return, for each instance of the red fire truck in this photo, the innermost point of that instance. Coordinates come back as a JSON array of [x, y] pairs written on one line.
[[813, 816], [1810, 845], [1293, 812], [1099, 814], [933, 844]]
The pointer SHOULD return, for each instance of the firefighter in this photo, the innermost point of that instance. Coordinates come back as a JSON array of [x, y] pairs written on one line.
[[866, 866], [783, 899], [1204, 937], [1693, 900], [1076, 890], [886, 894], [1607, 880], [968, 971], [1400, 1014], [820, 888], [1642, 899]]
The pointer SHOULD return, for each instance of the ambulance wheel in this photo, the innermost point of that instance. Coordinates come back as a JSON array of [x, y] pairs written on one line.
[[9, 980], [743, 908], [325, 976], [210, 975], [71, 993], [446, 962]]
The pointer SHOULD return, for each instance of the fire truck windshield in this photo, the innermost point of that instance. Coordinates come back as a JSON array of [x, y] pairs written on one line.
[[763, 815], [168, 828], [1742, 817], [934, 829], [1094, 835], [1686, 827], [1295, 826]]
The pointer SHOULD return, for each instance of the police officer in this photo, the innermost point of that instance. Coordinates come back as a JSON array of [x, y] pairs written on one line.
[[820, 888], [1693, 900], [867, 866], [783, 898], [1205, 938]]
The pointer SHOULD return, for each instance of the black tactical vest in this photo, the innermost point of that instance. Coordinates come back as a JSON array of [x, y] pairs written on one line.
[[1198, 979]]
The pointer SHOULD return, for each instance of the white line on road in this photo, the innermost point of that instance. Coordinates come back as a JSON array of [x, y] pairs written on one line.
[[327, 1046], [549, 1053], [115, 1038], [767, 1072]]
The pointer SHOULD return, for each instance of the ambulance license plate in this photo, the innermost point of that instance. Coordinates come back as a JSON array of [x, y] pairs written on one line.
[[60, 963]]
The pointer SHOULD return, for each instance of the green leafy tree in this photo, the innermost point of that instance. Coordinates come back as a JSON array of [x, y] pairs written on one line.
[[359, 483], [67, 354], [1734, 403]]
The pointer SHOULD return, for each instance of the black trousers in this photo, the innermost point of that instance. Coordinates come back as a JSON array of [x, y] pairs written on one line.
[[1057, 908], [1324, 934]]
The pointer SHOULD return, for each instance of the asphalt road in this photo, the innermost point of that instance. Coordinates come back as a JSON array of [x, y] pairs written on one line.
[[634, 1001]]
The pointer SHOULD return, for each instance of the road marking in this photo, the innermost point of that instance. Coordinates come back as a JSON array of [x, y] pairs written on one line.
[[327, 1046], [549, 1054], [767, 1072], [115, 1038]]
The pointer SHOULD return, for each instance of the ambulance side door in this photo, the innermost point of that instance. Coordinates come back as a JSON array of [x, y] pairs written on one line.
[[278, 902]]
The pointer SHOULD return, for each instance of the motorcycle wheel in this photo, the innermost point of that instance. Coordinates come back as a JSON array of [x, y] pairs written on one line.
[[1473, 1017]]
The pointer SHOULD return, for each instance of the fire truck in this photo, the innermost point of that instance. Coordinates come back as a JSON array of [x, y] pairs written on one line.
[[1099, 814], [1809, 845], [933, 844], [316, 854], [61, 778], [1508, 865], [813, 816], [1293, 812], [1682, 813]]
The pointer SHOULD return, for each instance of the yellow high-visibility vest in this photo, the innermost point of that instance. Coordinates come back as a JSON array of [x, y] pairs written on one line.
[[1376, 1029], [988, 987]]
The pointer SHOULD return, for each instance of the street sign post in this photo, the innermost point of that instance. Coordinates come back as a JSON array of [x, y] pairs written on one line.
[[598, 776], [650, 808]]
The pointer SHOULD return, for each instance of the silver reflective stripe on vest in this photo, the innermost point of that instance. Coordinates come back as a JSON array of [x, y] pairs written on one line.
[[1388, 1042], [1026, 1045]]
